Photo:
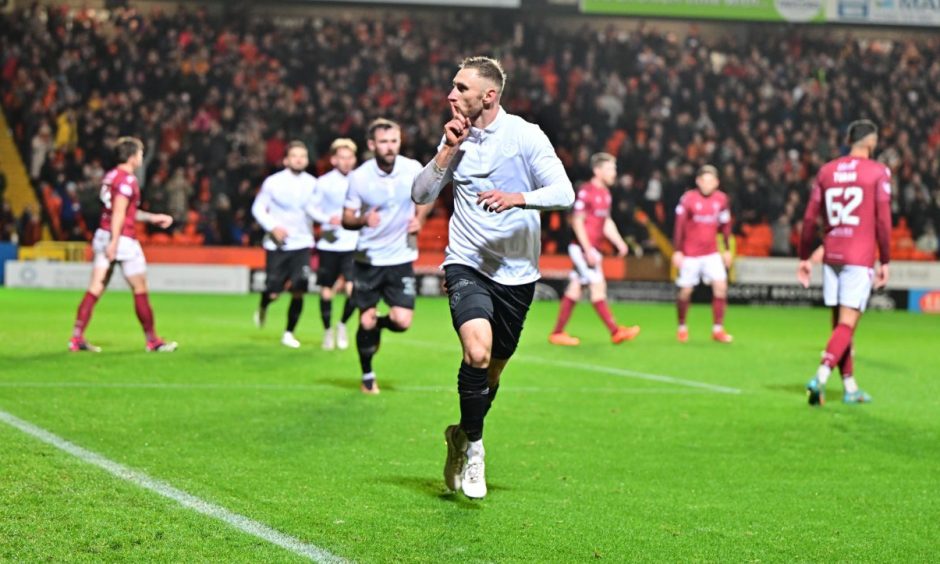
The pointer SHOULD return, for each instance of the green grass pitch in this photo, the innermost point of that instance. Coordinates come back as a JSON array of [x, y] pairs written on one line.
[[590, 454]]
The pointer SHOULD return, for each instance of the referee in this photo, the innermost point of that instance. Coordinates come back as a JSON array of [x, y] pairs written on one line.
[[285, 208]]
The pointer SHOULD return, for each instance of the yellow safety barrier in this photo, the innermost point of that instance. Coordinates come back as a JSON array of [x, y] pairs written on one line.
[[19, 188], [55, 250]]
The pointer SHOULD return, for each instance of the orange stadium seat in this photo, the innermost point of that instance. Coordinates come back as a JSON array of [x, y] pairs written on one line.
[[160, 239], [434, 235], [755, 240]]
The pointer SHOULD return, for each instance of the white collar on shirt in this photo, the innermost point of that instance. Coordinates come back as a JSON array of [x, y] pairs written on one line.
[[382, 173], [481, 134]]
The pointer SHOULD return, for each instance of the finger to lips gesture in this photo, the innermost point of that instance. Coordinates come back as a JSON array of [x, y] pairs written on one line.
[[457, 129]]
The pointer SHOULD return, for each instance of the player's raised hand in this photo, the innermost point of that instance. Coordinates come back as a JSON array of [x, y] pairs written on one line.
[[371, 218], [498, 202], [881, 276], [803, 272], [677, 258], [162, 220], [457, 129]]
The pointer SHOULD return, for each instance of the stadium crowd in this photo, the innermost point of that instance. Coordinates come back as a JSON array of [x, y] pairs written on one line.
[[217, 98]]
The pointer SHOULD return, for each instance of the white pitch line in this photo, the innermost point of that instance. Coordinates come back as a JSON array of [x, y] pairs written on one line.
[[164, 489], [621, 372], [624, 373], [560, 390], [313, 387], [171, 386]]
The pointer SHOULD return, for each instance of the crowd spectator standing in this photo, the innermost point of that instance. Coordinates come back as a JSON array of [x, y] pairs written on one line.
[[216, 97]]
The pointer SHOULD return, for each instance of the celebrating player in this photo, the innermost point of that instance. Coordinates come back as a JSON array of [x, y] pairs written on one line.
[[336, 245], [285, 208], [378, 205], [115, 242], [591, 224], [701, 214], [853, 196], [504, 170]]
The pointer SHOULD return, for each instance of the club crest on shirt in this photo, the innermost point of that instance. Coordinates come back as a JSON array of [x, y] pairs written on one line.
[[509, 149]]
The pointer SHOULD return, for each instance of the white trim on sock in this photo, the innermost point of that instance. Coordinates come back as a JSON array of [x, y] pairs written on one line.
[[475, 448], [850, 385]]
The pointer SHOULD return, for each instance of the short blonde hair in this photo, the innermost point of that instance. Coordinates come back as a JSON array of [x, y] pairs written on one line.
[[488, 68], [597, 159], [381, 123], [342, 143]]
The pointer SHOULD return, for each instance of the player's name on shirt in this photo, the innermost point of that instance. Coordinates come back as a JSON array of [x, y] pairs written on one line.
[[853, 197]]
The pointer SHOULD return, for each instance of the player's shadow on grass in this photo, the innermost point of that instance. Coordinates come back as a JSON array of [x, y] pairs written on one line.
[[56, 356], [882, 366], [352, 383], [864, 427], [795, 388], [434, 488], [349, 383]]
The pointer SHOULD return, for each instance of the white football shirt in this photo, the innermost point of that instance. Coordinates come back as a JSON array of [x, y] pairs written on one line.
[[510, 155], [388, 243], [288, 200], [331, 195]]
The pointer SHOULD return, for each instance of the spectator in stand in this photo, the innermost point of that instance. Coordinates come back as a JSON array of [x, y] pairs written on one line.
[[224, 89], [30, 227], [179, 191], [927, 242], [41, 146], [781, 236], [7, 223]]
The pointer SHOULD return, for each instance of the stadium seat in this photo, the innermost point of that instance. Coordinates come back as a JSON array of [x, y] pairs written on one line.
[[434, 235], [160, 239]]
